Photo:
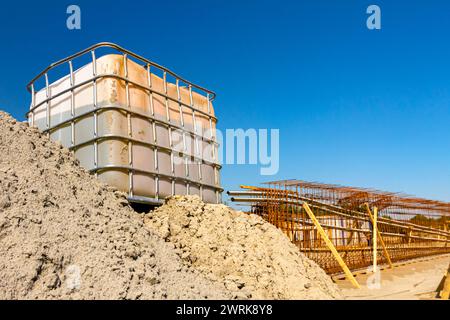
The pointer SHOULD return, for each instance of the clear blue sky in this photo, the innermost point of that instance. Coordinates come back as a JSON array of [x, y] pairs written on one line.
[[356, 107]]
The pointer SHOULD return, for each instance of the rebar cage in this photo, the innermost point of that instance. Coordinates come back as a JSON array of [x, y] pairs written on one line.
[[191, 175], [409, 227]]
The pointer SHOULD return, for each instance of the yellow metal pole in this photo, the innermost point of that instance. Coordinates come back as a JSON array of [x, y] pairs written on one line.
[[331, 246], [445, 229], [386, 253], [445, 292], [374, 234], [249, 187]]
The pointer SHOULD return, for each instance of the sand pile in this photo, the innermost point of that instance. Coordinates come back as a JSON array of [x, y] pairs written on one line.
[[250, 256], [63, 234]]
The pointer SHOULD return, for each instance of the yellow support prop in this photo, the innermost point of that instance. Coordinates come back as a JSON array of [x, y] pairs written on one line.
[[374, 240], [445, 229], [249, 187], [386, 253], [331, 246], [445, 292]]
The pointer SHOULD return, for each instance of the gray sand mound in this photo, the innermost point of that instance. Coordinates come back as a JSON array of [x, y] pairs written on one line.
[[249, 255], [63, 234]]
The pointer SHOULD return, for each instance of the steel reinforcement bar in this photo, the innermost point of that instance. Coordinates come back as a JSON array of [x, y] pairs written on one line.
[[406, 227]]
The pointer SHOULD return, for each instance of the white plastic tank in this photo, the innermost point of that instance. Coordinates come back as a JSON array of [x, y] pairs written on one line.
[[135, 130]]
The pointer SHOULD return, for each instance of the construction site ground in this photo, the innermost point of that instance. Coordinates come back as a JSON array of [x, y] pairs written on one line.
[[411, 280]]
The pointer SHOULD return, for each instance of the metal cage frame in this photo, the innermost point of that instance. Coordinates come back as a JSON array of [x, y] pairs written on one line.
[[407, 227], [149, 66]]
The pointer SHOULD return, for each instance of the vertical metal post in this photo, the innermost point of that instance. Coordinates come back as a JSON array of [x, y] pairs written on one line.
[[150, 93], [33, 103], [179, 103], [211, 133], [170, 130], [150, 104], [200, 178], [47, 95], [374, 234], [130, 130], [169, 127], [191, 103], [72, 106], [157, 176], [157, 187], [172, 162], [186, 166], [183, 133], [386, 253], [166, 99], [193, 119], [211, 143], [94, 87], [153, 124]]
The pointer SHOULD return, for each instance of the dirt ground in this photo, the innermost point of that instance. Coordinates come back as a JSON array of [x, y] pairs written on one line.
[[413, 280]]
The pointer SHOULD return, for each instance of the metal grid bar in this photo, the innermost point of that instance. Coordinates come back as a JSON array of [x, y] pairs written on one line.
[[94, 87], [72, 105], [33, 103], [48, 98], [130, 129]]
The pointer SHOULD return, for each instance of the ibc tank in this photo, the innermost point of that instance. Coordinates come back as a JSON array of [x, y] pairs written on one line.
[[130, 125]]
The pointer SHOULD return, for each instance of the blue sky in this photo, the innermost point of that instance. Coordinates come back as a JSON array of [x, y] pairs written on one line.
[[354, 106]]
